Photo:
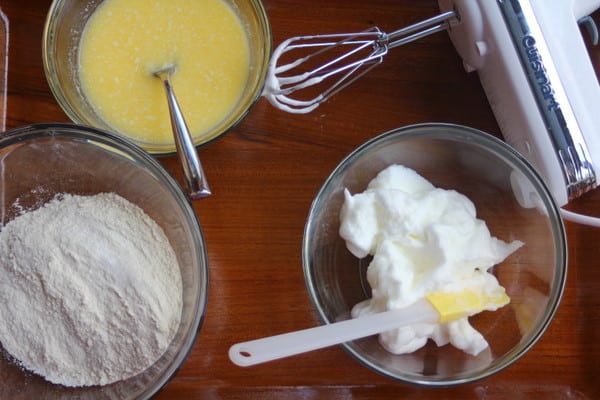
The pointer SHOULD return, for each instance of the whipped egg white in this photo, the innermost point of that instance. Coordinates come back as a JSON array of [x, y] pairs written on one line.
[[423, 240]]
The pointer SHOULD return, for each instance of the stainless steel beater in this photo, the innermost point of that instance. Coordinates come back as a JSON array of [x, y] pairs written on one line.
[[342, 57]]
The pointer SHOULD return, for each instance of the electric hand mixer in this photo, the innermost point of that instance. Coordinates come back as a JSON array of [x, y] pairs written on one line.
[[532, 62]]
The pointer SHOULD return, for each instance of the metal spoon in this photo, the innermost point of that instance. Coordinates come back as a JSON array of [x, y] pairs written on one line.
[[193, 174]]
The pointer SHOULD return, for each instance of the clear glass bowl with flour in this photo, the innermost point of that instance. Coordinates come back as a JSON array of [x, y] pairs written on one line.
[[77, 205], [494, 178]]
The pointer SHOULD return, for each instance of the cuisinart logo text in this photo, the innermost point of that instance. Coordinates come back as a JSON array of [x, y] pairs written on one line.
[[540, 75]]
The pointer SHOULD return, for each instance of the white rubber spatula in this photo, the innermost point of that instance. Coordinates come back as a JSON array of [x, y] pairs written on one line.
[[437, 307]]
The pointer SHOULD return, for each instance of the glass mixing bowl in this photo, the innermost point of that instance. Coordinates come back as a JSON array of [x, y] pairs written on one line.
[[486, 170], [39, 161], [64, 27]]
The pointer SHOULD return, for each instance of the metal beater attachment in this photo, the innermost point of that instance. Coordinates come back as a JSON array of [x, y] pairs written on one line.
[[342, 57]]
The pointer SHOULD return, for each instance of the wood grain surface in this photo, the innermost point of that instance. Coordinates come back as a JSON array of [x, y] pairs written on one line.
[[264, 174]]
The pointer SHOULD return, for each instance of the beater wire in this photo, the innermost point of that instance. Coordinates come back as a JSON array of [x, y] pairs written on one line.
[[341, 58]]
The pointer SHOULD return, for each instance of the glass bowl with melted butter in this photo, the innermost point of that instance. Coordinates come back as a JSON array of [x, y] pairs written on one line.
[[99, 58]]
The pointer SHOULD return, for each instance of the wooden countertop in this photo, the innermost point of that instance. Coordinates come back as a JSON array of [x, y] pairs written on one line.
[[264, 175]]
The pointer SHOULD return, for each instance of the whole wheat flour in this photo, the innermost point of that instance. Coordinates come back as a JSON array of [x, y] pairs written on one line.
[[90, 290]]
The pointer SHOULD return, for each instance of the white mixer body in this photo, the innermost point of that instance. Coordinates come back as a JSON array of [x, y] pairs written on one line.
[[535, 69]]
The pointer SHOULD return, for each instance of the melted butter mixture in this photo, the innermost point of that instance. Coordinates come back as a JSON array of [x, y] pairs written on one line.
[[126, 40]]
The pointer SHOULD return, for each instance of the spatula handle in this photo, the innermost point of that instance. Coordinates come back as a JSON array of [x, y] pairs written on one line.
[[288, 344]]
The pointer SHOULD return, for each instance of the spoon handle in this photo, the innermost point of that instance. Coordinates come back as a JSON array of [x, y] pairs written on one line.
[[3, 67], [193, 174], [287, 344]]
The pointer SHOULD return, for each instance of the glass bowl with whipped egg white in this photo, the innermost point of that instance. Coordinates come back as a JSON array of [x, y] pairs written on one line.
[[437, 209], [103, 267], [100, 58]]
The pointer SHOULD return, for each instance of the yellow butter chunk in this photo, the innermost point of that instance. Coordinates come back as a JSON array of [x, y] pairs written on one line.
[[461, 304], [126, 40]]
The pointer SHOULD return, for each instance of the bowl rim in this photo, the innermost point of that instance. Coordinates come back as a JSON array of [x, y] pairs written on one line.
[[452, 132], [49, 32], [136, 153]]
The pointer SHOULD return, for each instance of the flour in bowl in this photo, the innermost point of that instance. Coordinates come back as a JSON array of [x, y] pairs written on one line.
[[90, 290]]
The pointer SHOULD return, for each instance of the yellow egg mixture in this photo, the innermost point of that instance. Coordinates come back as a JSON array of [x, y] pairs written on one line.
[[126, 40]]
